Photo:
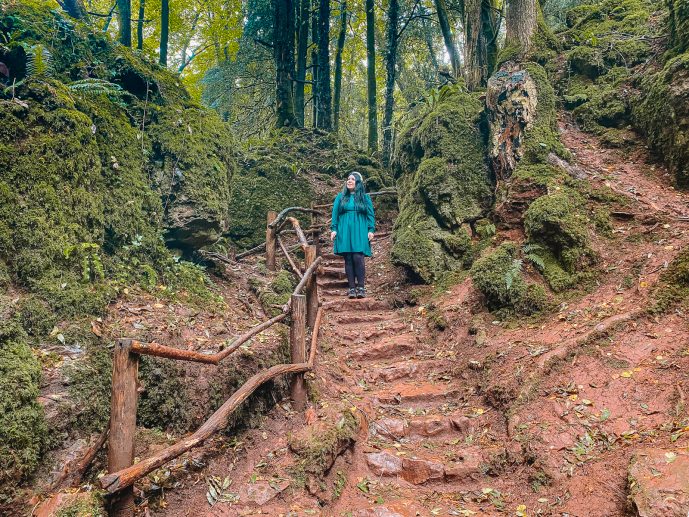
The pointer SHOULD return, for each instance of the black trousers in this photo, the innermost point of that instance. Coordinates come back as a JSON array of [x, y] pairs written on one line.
[[355, 269]]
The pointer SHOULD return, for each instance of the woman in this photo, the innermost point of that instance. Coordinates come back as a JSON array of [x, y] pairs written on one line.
[[351, 231]]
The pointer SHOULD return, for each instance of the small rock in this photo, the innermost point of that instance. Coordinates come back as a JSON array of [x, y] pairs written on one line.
[[659, 483], [461, 423], [393, 428], [418, 471], [262, 491], [429, 426], [384, 463]]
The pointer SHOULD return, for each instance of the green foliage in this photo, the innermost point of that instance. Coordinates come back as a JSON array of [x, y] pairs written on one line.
[[39, 60], [443, 182], [498, 277], [163, 403], [23, 431], [87, 505], [673, 287], [678, 22]]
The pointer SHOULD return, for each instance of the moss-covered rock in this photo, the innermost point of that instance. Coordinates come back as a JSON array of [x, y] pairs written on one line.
[[663, 115], [499, 278], [678, 22], [673, 287], [443, 183], [292, 167], [23, 431]]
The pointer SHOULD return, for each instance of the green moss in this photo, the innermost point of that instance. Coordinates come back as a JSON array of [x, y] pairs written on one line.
[[603, 222], [558, 279], [498, 277], [35, 317], [557, 222], [88, 505], [673, 287], [443, 182], [678, 22], [23, 431], [163, 402], [663, 115]]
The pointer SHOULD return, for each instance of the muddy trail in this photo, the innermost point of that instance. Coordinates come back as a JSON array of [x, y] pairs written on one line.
[[431, 406]]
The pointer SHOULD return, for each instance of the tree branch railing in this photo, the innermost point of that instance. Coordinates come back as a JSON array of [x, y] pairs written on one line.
[[302, 309]]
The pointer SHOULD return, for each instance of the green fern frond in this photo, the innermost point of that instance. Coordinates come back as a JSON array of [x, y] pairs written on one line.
[[536, 260], [93, 86], [531, 248], [39, 60], [512, 273]]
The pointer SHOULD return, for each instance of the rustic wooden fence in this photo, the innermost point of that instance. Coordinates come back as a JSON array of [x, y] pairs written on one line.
[[303, 310]]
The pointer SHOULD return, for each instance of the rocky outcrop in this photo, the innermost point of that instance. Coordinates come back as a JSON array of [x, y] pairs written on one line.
[[443, 182], [659, 483]]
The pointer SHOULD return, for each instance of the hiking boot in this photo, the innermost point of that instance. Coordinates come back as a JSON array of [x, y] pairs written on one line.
[[361, 292], [351, 293]]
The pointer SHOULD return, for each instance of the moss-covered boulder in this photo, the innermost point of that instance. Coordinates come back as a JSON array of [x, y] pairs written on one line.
[[498, 276], [23, 431], [663, 115], [443, 183], [292, 167], [673, 287]]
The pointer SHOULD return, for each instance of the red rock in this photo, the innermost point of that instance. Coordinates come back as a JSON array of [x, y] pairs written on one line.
[[428, 427], [393, 428], [659, 483], [387, 349], [418, 471], [384, 463], [461, 424], [468, 465]]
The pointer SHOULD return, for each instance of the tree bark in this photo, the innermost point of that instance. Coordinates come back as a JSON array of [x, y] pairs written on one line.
[[371, 76], [140, 25], [448, 37], [520, 24], [338, 64], [314, 65], [297, 342], [390, 72], [325, 107], [164, 30], [428, 36], [124, 17], [74, 8], [283, 47], [302, 48]]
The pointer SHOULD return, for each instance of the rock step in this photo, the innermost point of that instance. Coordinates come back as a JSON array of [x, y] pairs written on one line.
[[369, 333], [332, 284], [356, 304], [408, 392], [361, 318], [420, 427], [334, 272], [393, 347], [409, 368], [420, 470]]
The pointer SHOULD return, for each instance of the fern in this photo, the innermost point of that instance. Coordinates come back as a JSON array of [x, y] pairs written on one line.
[[93, 86], [39, 61], [513, 273], [530, 252]]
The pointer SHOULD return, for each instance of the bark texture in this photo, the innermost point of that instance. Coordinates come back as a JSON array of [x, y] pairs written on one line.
[[371, 76]]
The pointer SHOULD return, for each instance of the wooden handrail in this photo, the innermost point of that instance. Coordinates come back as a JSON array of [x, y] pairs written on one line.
[[283, 214], [128, 476], [289, 258]]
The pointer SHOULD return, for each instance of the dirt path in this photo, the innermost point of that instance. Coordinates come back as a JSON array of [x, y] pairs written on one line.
[[477, 416]]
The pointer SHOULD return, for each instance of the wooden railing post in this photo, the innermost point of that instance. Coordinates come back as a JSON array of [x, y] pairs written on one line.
[[125, 366], [311, 288], [316, 229], [271, 242], [297, 343]]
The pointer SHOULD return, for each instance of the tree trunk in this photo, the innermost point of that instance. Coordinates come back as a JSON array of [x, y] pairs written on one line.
[[325, 100], [140, 25], [390, 72], [371, 75], [448, 37], [124, 16], [490, 29], [428, 36], [164, 30], [314, 65], [283, 46], [338, 64], [74, 8], [302, 48], [520, 24], [480, 49]]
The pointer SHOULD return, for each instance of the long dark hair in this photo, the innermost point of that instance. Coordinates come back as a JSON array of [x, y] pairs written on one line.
[[359, 195]]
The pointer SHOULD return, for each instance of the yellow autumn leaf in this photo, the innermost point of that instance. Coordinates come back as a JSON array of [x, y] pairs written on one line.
[[626, 375]]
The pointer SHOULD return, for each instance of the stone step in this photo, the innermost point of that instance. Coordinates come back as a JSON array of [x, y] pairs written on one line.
[[361, 318], [334, 272], [420, 427], [395, 346], [413, 392], [356, 304], [409, 368], [370, 333], [333, 284], [419, 470]]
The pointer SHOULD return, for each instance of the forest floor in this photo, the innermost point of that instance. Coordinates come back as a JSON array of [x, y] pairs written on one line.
[[460, 413]]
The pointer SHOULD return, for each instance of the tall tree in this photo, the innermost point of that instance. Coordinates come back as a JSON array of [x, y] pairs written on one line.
[[302, 48], [338, 64], [283, 48], [481, 27], [314, 65], [371, 77], [521, 21], [124, 17], [448, 36], [164, 30], [392, 41], [140, 25], [74, 8], [324, 105]]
